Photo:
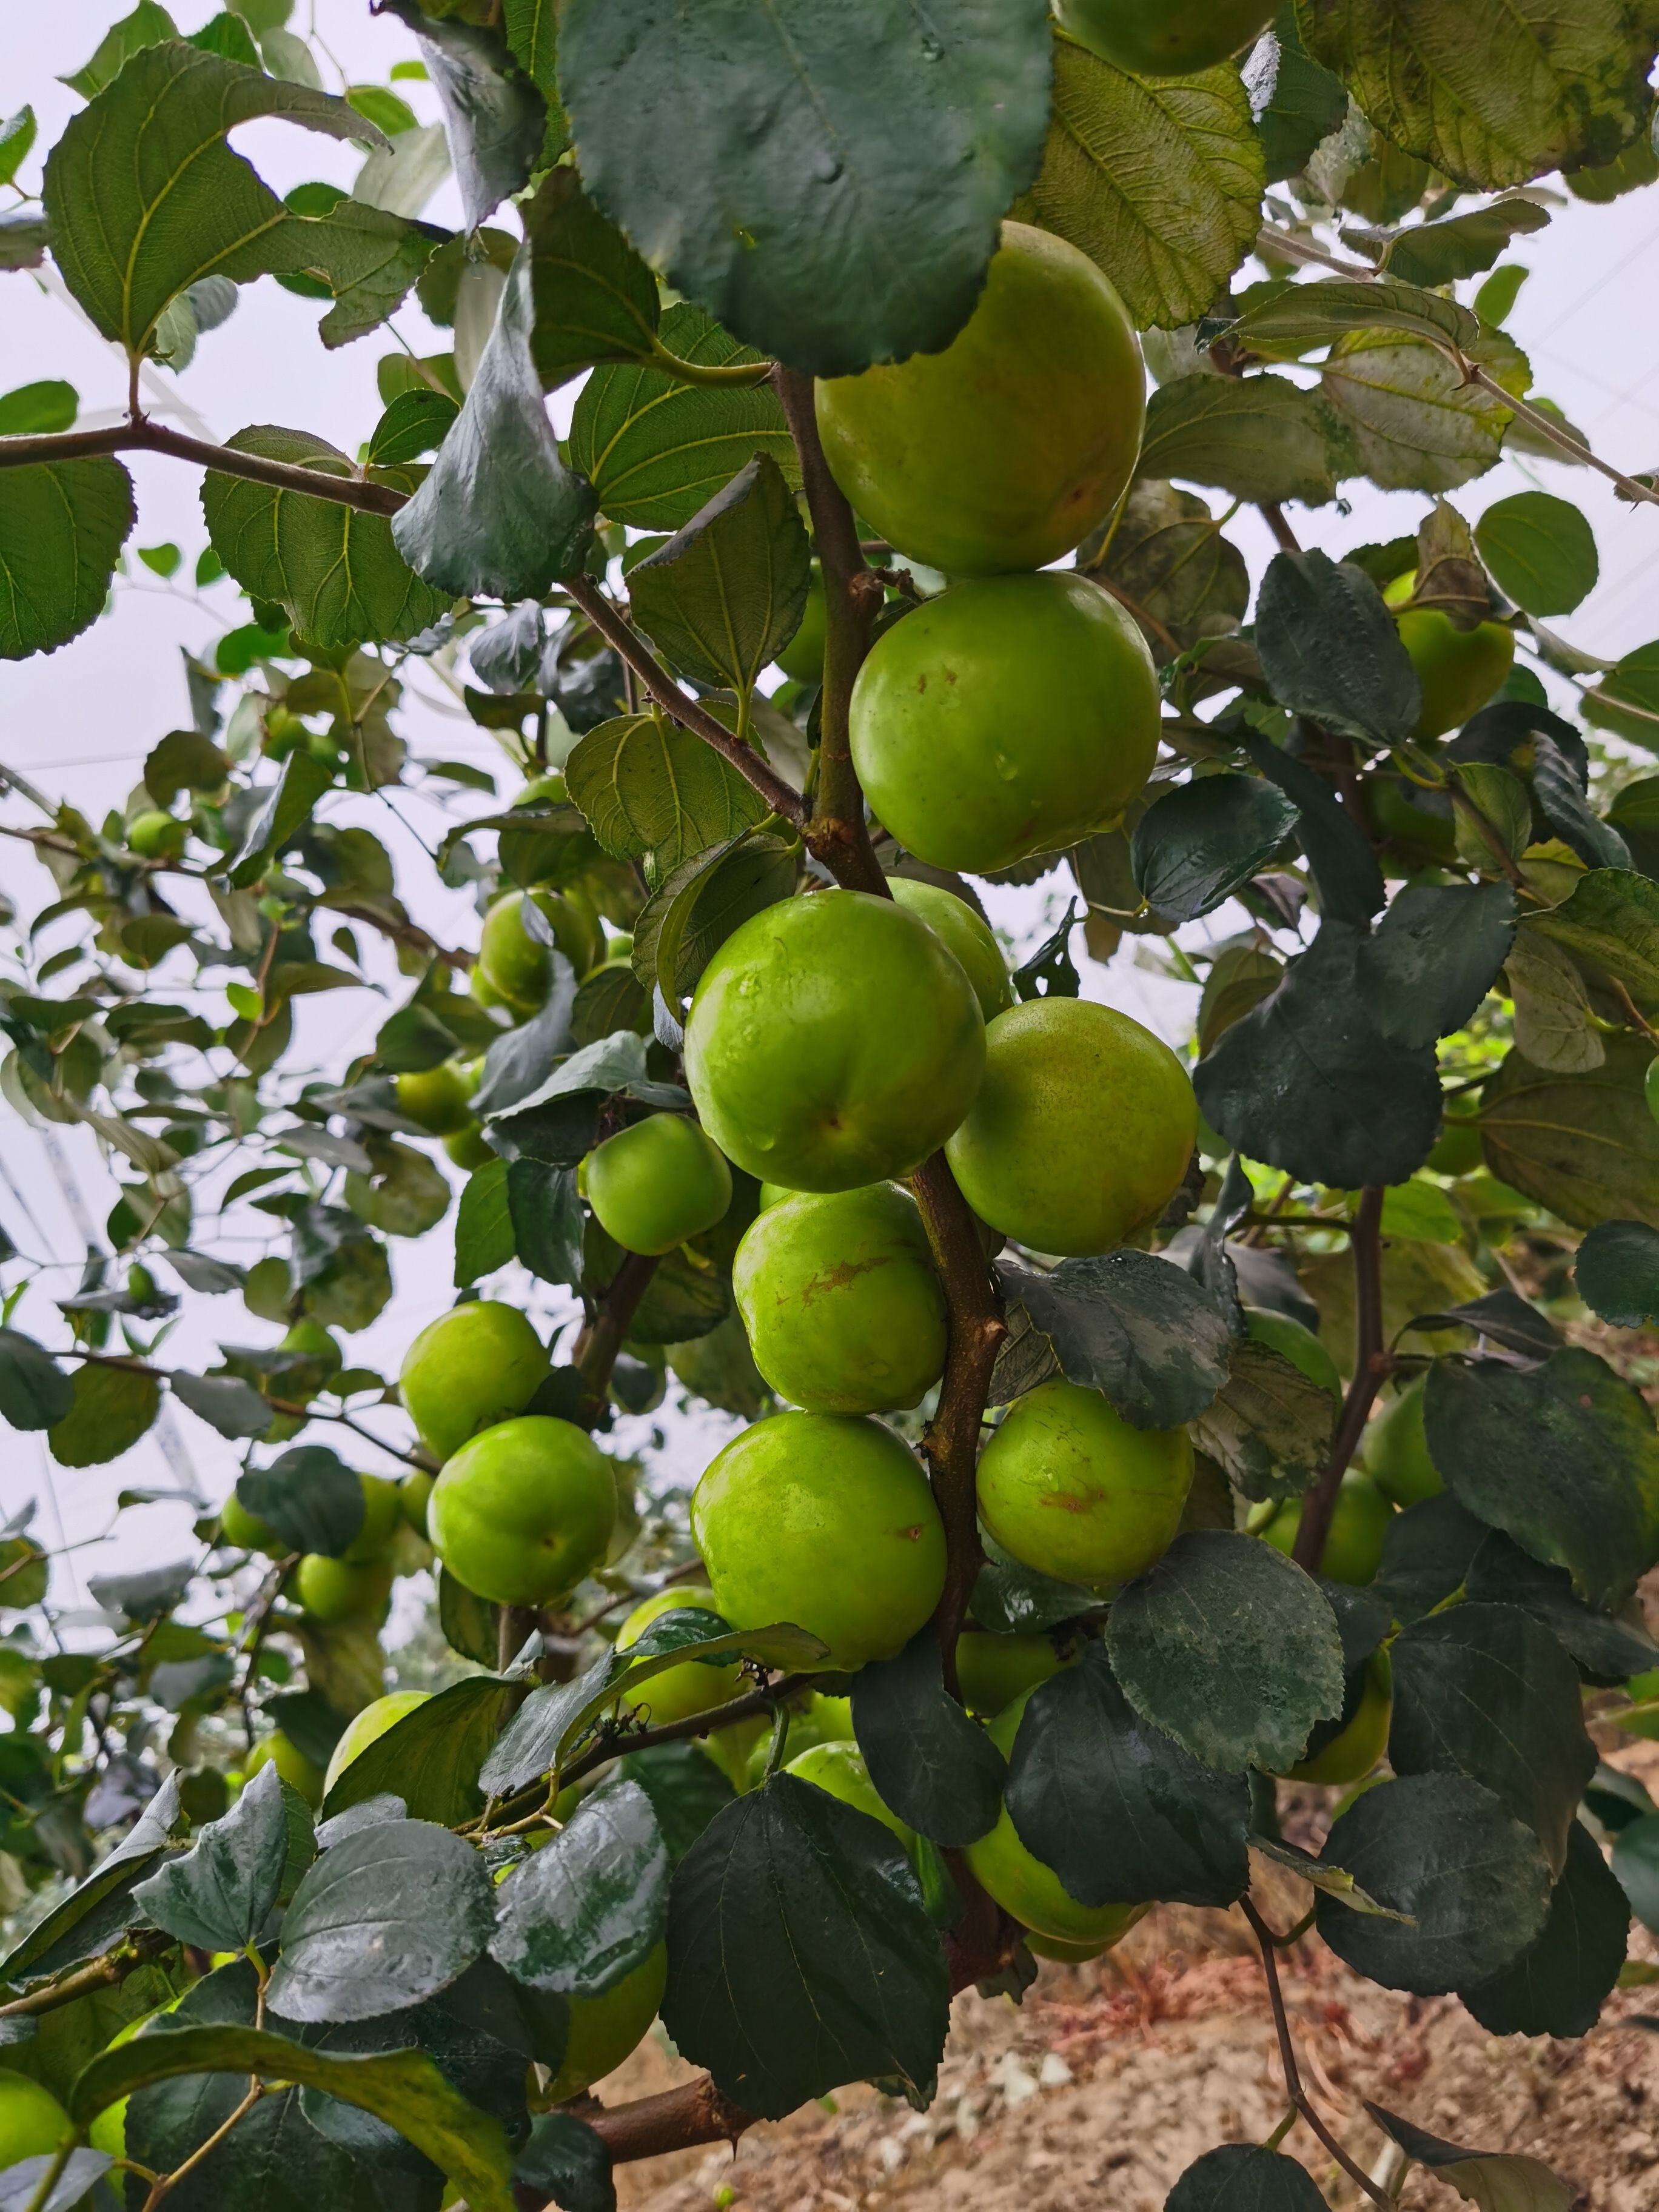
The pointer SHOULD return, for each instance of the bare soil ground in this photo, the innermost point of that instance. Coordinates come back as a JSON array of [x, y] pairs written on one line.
[[1111, 2078]]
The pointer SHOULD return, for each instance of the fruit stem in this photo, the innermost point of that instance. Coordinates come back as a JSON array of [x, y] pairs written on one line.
[[837, 834], [1371, 1365]]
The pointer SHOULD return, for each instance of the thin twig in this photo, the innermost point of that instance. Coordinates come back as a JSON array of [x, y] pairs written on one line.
[[1547, 427], [143, 436], [1371, 1365], [168, 2182], [1273, 515]]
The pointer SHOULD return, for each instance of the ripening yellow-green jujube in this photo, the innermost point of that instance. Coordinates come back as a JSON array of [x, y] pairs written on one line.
[[992, 1671], [1459, 670], [827, 1521], [33, 2123], [438, 1098], [516, 965], [332, 1590], [843, 1307], [1068, 1954], [299, 1772], [1354, 1548], [839, 1769], [1069, 1487], [1363, 1736], [414, 1496], [469, 1147], [367, 1727], [1293, 1340], [1082, 1129], [1163, 38], [814, 1719], [476, 1365], [803, 657], [1009, 716], [246, 1530], [382, 1512], [108, 2132], [1396, 1448], [1642, 1690], [656, 1183], [1006, 449], [520, 1515], [156, 835], [964, 932], [833, 1042], [1019, 1881], [1400, 813], [603, 2030], [679, 1692]]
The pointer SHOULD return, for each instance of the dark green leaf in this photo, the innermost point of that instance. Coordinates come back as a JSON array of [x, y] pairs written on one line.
[[147, 26], [685, 1787], [235, 1409], [308, 1721], [611, 999], [1494, 2181], [113, 1407], [495, 118], [1256, 437], [1435, 955], [1427, 1553], [145, 1595], [1244, 2178], [1011, 1599], [1180, 577], [78, 1928], [726, 594], [1303, 316], [655, 450], [1269, 1426], [1307, 1082], [413, 424], [1557, 1986], [62, 525], [649, 787], [1434, 254], [1636, 1863], [1541, 551], [1197, 845], [1051, 972], [1130, 1325], [1617, 1272], [34, 1391], [766, 167], [1120, 1812], [483, 1224], [1487, 1692], [699, 904], [430, 1757], [564, 2157], [1562, 1457], [1306, 105], [588, 1908], [287, 810], [468, 1621], [594, 299], [184, 760], [1229, 1648], [499, 515], [385, 1918], [1442, 1850], [1611, 1648], [801, 1955], [219, 1895], [309, 1496], [17, 135], [938, 1770], [547, 1220], [1330, 650], [1583, 1145], [1344, 867]]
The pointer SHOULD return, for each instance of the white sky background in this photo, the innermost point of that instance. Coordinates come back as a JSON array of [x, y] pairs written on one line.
[[80, 722]]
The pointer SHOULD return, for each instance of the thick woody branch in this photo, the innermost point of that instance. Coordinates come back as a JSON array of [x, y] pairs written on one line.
[[143, 436], [1371, 1369]]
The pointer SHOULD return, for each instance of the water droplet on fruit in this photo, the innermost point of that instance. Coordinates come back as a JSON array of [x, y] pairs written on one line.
[[933, 48], [1005, 767]]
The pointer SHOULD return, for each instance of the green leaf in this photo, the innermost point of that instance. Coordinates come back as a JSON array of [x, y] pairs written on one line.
[[655, 450], [698, 905], [390, 1915], [563, 2157], [309, 1498], [726, 594], [1554, 1025], [1306, 105], [1435, 955], [590, 1907], [1229, 1648], [1470, 1878], [1583, 1145], [34, 1391], [30, 409], [1203, 840], [403, 2087], [1308, 315], [494, 117], [1487, 1692], [1617, 1272], [184, 760], [145, 197], [147, 26], [1305, 1080], [1157, 179], [594, 299], [1491, 95], [414, 424], [113, 1407], [610, 999], [78, 1928], [1612, 1647], [17, 134], [367, 257], [1494, 2181], [1432, 253], [801, 1955], [1558, 1985], [769, 165], [546, 1213], [303, 781], [336, 573], [938, 1770], [62, 525], [1122, 1815], [1244, 2178], [1541, 551], [467, 1620], [1416, 426], [1562, 1457], [1170, 564], [219, 1895], [407, 1195], [1131, 1326], [1330, 649], [533, 34], [430, 1757], [483, 1226], [499, 515], [650, 788], [686, 1790], [1257, 437], [1269, 1428], [1611, 919], [1627, 697]]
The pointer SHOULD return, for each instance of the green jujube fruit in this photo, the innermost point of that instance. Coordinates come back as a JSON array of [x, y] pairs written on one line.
[[382, 1512], [1163, 38], [520, 1515], [155, 835], [438, 1098], [1070, 1488], [843, 1307], [964, 932], [839, 1769], [367, 1727], [299, 1772], [1019, 1881], [601, 2031], [1006, 449], [33, 2123], [469, 1148], [679, 1692], [992, 1671], [1459, 670], [246, 1531], [414, 1496], [833, 1042], [1353, 1546], [802, 659], [1396, 1448], [514, 963], [332, 1590], [476, 1365], [1009, 716], [827, 1521], [1082, 1129], [1363, 1736], [1293, 1340], [656, 1183]]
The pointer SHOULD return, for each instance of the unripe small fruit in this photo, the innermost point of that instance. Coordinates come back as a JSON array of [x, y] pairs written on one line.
[[679, 1692], [1396, 1448], [33, 2123], [437, 1097], [601, 2031], [1163, 38], [381, 1514], [1354, 1548], [803, 657], [521, 1513], [962, 932], [367, 1727], [469, 1147], [290, 1762], [516, 965], [1363, 1736], [246, 1531], [331, 1590], [657, 1183], [993, 1670], [839, 1769], [414, 1496], [1293, 1340], [1458, 669], [476, 1365], [155, 835]]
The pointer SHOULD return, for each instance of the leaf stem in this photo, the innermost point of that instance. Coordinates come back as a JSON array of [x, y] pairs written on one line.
[[144, 436], [718, 373], [1372, 1364]]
